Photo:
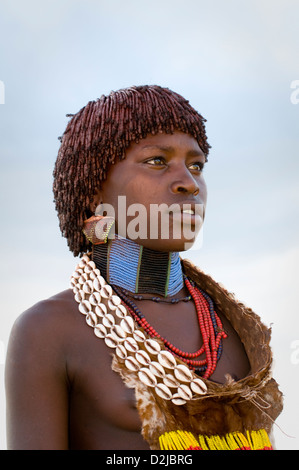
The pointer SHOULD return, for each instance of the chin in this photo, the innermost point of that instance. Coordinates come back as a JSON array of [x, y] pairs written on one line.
[[166, 245]]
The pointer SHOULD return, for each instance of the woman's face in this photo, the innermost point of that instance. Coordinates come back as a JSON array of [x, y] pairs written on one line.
[[149, 190]]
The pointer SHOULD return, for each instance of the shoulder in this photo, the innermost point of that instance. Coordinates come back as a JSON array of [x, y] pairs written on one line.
[[42, 328], [51, 312]]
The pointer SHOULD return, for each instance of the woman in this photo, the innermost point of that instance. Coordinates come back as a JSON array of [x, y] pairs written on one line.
[[175, 362]]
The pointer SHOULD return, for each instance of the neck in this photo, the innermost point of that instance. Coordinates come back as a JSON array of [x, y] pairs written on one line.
[[138, 269]]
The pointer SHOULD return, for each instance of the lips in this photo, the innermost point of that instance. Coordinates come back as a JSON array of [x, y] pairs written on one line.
[[188, 211], [188, 217], [188, 208], [189, 214]]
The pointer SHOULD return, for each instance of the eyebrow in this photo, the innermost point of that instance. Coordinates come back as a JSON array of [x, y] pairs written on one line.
[[190, 153]]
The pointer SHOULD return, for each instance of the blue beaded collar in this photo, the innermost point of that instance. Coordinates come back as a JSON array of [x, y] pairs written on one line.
[[138, 269]]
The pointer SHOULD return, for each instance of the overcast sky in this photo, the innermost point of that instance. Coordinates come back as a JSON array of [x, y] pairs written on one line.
[[236, 62]]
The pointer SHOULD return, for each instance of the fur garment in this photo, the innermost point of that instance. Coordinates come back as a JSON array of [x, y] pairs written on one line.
[[252, 403]]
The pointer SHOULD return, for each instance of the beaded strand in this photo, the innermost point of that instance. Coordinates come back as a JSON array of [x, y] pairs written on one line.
[[157, 299], [210, 326]]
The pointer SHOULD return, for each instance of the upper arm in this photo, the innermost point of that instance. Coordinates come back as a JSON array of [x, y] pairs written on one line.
[[36, 382]]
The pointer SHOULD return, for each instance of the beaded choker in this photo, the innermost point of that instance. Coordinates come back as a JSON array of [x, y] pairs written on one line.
[[137, 269]]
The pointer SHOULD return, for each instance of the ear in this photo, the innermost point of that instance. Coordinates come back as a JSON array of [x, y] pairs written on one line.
[[95, 201]]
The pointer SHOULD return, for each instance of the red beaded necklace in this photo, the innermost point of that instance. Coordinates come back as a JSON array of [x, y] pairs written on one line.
[[210, 326]]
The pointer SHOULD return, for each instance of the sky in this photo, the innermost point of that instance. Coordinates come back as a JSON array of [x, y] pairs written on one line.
[[237, 63]]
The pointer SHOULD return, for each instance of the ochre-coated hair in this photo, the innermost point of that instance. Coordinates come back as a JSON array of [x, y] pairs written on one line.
[[99, 134]]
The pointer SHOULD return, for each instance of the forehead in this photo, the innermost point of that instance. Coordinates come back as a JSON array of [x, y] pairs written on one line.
[[171, 143]]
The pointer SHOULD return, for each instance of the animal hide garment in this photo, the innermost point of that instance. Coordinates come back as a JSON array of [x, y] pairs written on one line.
[[250, 404]]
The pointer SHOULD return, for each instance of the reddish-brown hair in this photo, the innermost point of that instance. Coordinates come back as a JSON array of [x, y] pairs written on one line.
[[99, 135]]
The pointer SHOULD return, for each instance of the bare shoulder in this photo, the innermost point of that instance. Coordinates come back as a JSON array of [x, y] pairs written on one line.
[[48, 312], [42, 328]]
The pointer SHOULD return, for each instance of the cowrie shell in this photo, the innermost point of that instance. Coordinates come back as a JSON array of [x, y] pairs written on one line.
[[131, 345], [183, 373], [143, 357], [88, 269], [76, 275], [146, 377], [170, 381], [78, 286], [88, 287], [152, 346], [90, 266], [98, 283], [101, 310], [106, 291], [132, 364], [198, 387], [121, 351], [95, 298], [82, 279], [128, 324], [184, 392], [108, 320], [177, 400], [115, 300], [100, 331], [111, 306], [121, 311], [79, 296], [139, 336], [157, 369], [74, 281], [110, 341], [118, 333], [167, 360], [91, 319], [84, 307], [163, 391], [82, 263]]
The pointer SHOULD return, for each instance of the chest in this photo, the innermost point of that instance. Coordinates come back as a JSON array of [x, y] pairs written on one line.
[[99, 394]]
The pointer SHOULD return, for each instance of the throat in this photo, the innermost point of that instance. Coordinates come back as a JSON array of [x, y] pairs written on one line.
[[138, 269]]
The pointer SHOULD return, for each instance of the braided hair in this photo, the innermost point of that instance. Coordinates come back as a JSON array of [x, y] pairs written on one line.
[[99, 134]]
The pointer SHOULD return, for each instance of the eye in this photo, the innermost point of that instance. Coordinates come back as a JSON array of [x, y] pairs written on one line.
[[156, 161], [196, 166]]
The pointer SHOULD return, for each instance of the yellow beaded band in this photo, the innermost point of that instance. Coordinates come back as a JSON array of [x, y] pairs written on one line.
[[184, 440]]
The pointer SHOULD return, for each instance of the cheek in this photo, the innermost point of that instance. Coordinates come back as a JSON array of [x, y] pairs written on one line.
[[123, 190], [114, 185]]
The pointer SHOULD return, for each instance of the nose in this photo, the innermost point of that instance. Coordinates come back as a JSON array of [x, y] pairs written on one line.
[[185, 183]]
